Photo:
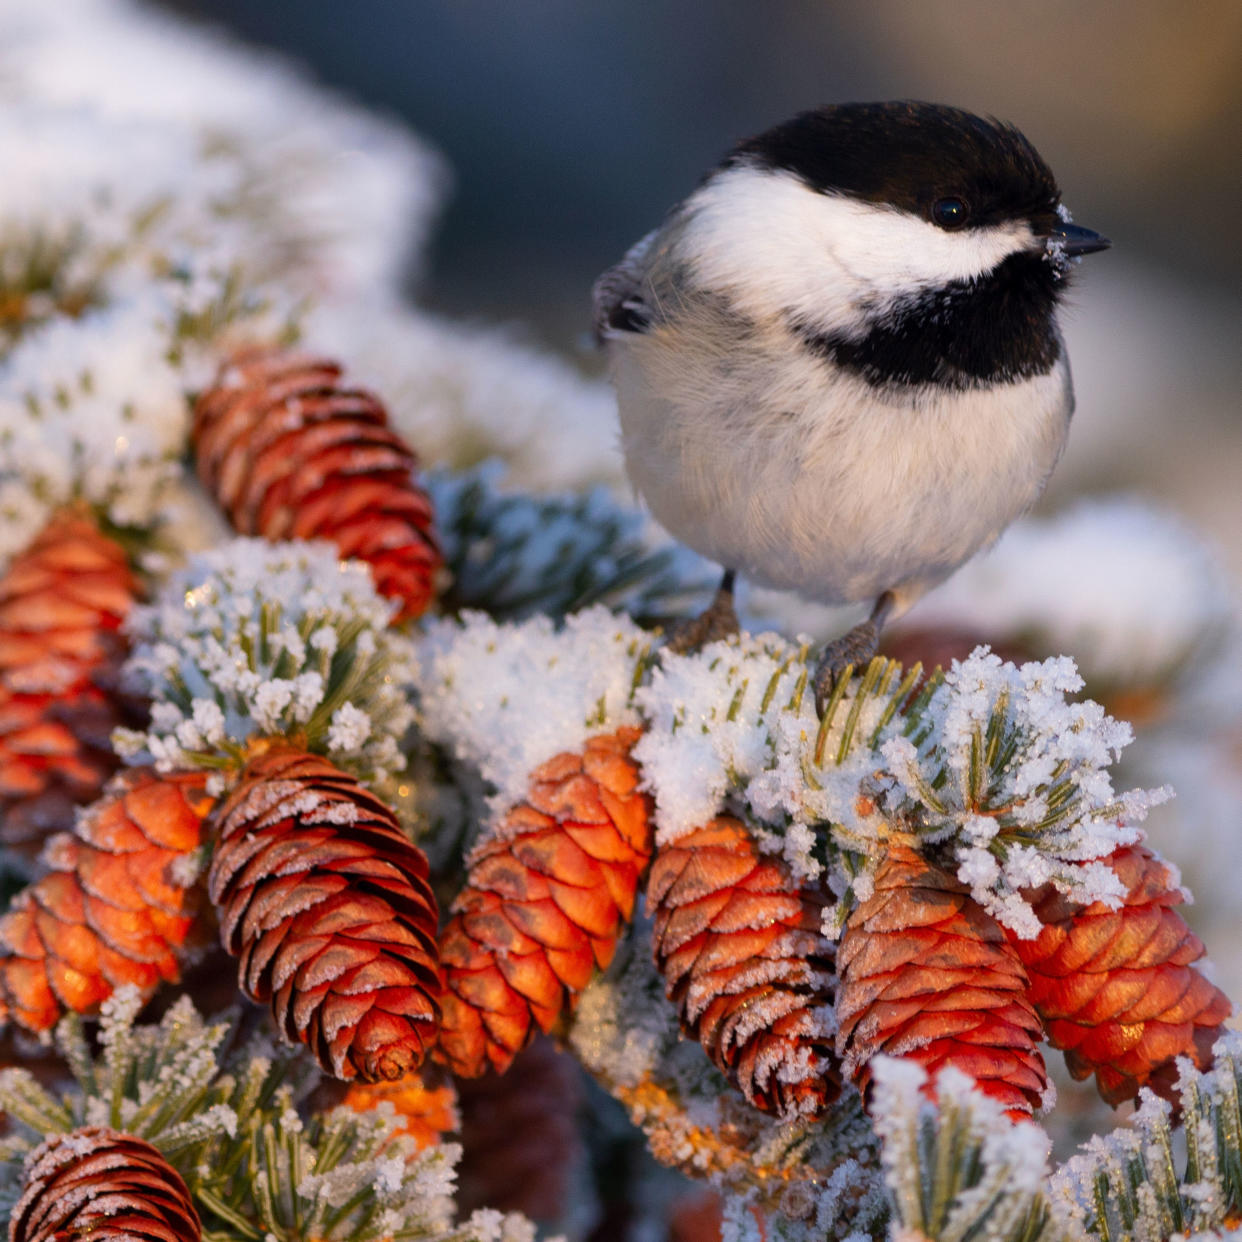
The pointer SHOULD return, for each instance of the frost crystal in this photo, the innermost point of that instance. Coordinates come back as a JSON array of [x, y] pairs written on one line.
[[507, 698], [993, 762], [271, 640]]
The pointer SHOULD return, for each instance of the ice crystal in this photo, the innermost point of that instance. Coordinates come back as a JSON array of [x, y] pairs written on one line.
[[93, 408], [1137, 1183], [993, 763], [506, 698], [1001, 764], [267, 639]]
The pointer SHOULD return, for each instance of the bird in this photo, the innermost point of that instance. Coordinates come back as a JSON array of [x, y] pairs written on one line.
[[838, 364]]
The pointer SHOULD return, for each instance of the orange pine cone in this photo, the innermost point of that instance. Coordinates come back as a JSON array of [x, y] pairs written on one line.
[[112, 911], [426, 1113], [1116, 989], [926, 973], [290, 453], [519, 1136], [546, 898], [100, 1184], [740, 948], [327, 905], [61, 604]]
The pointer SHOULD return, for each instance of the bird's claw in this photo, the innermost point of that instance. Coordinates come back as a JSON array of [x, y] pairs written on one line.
[[719, 621], [851, 651]]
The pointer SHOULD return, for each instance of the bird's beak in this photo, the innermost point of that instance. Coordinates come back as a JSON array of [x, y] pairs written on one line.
[[1074, 241]]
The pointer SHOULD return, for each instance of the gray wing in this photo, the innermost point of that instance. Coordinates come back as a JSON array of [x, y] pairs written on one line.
[[616, 297]]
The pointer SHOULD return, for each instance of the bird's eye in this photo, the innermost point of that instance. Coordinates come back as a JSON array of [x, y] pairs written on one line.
[[950, 213]]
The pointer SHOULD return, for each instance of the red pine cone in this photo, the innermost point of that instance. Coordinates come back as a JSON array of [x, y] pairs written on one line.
[[327, 905], [61, 604], [111, 911], [546, 898], [519, 1135], [1116, 989], [290, 453], [740, 948], [100, 1184], [926, 973]]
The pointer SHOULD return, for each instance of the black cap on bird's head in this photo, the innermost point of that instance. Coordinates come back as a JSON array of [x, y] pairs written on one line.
[[946, 165]]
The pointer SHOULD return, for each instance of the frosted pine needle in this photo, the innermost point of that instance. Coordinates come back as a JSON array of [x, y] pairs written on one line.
[[514, 554], [271, 639], [233, 1120], [959, 1169]]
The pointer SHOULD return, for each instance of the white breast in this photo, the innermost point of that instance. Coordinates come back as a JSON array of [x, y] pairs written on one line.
[[770, 462]]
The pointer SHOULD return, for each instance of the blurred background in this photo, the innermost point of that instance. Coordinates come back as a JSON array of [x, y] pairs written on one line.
[[570, 128]]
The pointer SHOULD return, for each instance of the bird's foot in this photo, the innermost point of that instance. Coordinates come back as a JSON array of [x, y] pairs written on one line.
[[719, 621], [853, 650]]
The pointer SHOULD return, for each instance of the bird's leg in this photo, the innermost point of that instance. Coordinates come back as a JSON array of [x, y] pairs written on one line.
[[719, 621], [856, 648]]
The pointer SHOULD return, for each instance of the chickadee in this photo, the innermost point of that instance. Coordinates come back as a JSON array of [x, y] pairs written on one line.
[[837, 362]]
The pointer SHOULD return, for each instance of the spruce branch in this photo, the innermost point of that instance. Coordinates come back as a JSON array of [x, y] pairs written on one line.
[[959, 1169], [270, 640], [232, 1119], [513, 555]]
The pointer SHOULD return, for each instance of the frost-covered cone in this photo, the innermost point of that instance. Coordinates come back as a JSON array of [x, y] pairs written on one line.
[[289, 452], [427, 1113], [547, 895], [61, 605], [326, 903], [739, 944], [119, 905], [927, 974], [519, 1135], [101, 1184], [1115, 986]]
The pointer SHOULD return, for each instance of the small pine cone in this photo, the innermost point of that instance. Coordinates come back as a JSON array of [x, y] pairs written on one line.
[[112, 910], [740, 948], [425, 1113], [290, 453], [326, 904], [519, 1136], [61, 604], [546, 898], [1116, 988], [100, 1184], [926, 973]]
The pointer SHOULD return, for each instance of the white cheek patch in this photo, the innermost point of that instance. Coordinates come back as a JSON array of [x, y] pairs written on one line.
[[778, 248]]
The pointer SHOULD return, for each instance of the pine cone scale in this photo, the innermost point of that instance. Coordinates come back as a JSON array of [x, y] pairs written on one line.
[[101, 1184], [945, 988], [1116, 987], [545, 901], [289, 452], [737, 945], [328, 907]]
